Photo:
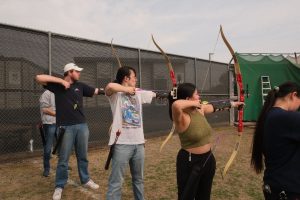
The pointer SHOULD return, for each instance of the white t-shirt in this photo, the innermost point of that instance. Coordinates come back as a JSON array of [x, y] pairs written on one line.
[[47, 100], [127, 116]]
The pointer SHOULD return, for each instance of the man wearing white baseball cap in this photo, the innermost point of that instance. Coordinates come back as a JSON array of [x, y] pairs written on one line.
[[69, 94], [72, 66]]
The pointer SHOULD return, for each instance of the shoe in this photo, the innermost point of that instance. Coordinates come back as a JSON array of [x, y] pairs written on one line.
[[57, 194], [46, 173], [91, 184]]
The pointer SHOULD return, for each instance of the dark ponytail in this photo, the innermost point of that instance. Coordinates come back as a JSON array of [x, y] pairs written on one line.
[[257, 142], [184, 91]]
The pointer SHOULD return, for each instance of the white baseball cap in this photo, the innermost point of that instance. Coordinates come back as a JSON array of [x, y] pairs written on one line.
[[72, 66]]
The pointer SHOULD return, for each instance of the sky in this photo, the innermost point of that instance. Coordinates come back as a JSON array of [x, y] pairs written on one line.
[[186, 27]]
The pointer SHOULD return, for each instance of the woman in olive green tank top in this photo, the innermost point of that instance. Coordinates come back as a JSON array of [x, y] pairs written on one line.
[[195, 165]]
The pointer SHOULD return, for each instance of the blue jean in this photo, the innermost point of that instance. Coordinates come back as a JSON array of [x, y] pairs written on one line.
[[77, 135], [49, 130], [124, 154]]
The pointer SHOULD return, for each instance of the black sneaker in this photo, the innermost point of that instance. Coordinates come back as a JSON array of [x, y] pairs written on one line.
[[46, 173]]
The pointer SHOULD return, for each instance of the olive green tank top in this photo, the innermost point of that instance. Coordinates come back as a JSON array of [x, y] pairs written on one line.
[[197, 134]]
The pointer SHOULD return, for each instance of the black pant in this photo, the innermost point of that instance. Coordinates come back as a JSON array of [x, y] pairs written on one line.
[[277, 194], [195, 174]]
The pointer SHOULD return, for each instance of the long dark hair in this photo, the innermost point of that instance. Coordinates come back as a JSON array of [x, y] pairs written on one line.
[[184, 91], [257, 142], [122, 73]]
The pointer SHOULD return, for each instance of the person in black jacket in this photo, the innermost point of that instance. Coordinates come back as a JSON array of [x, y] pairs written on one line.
[[276, 143]]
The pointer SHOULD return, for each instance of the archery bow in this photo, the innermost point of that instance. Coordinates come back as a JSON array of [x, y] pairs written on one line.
[[169, 64], [174, 89], [113, 50], [238, 77], [115, 53], [110, 154]]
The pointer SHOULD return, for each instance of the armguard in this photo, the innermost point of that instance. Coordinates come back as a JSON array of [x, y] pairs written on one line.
[[101, 91], [221, 105], [162, 94]]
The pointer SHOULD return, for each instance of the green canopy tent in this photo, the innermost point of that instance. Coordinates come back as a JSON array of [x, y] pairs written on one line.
[[277, 67]]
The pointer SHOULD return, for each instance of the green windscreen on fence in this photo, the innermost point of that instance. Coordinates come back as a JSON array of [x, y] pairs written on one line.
[[278, 68]]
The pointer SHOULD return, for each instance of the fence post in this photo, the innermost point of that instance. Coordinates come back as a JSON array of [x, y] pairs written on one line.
[[195, 70], [49, 53], [210, 75], [140, 67]]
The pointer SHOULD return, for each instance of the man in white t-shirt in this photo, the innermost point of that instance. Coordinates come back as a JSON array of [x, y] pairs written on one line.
[[126, 105]]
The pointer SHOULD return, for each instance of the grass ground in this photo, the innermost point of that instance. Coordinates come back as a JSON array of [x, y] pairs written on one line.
[[23, 180]]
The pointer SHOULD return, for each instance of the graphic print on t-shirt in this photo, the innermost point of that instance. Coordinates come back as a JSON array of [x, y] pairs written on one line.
[[130, 112], [76, 98]]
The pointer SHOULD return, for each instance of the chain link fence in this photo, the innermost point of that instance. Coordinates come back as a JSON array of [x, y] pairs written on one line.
[[25, 53]]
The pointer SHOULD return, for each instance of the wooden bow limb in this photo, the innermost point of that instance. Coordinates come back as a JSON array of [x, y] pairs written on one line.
[[174, 84], [239, 81], [115, 53], [168, 137]]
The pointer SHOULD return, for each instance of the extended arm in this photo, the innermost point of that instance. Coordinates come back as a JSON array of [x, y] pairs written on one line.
[[216, 106]]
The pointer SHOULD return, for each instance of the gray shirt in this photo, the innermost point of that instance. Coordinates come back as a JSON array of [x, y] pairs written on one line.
[[47, 100]]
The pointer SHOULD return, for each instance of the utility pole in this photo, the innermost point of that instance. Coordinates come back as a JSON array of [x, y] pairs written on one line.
[[210, 56]]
